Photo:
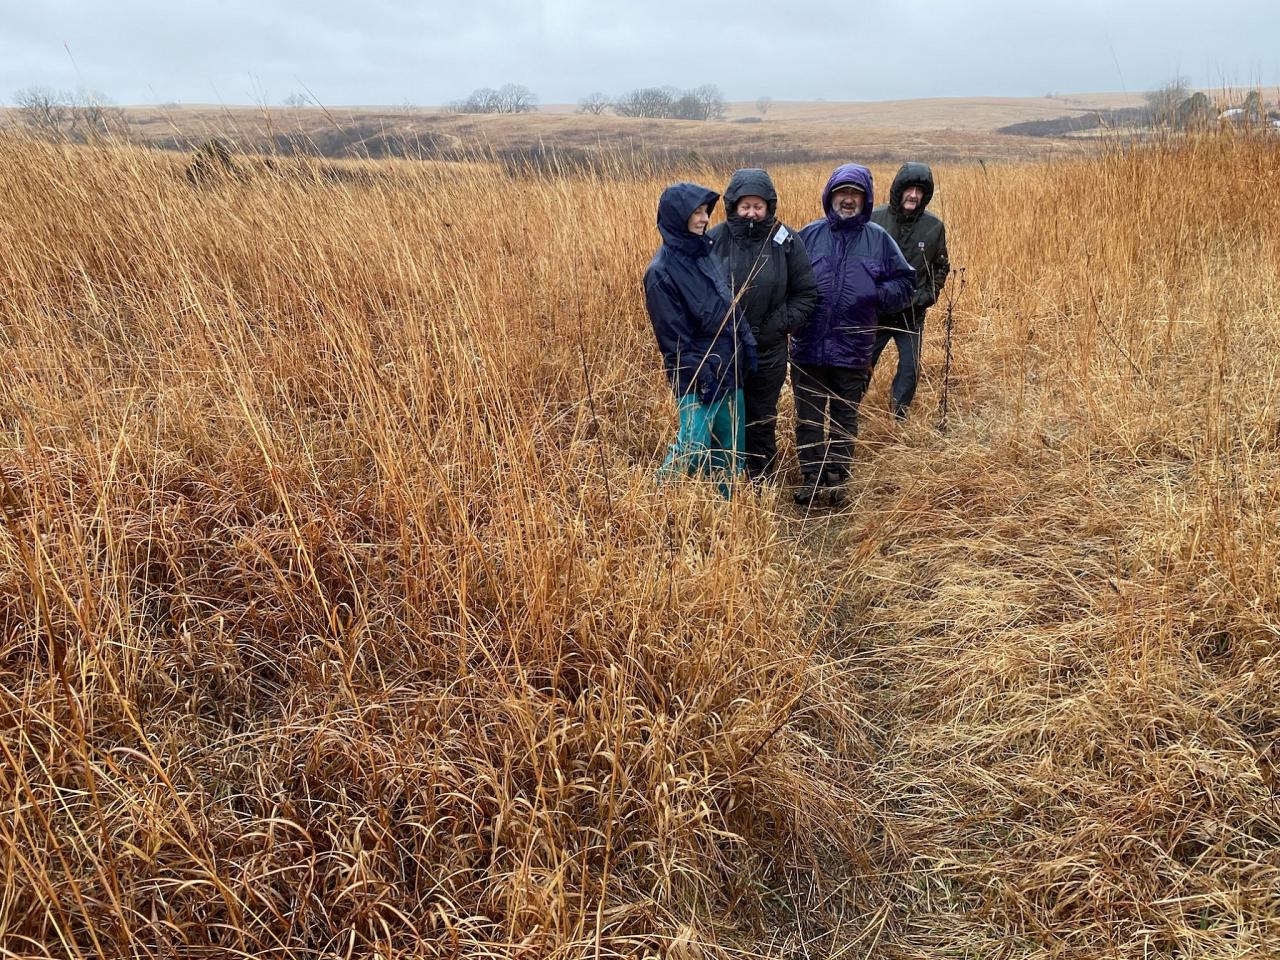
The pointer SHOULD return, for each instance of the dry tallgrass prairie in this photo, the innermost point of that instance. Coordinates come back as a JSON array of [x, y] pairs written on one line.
[[935, 131], [342, 616]]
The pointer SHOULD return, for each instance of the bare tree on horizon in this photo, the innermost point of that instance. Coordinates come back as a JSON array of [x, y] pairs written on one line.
[[1163, 102], [509, 98], [43, 110], [59, 114], [594, 104]]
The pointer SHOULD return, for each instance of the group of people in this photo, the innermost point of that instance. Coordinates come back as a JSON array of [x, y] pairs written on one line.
[[735, 307]]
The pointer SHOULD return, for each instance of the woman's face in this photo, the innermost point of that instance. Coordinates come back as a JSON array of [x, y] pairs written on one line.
[[699, 219], [752, 208]]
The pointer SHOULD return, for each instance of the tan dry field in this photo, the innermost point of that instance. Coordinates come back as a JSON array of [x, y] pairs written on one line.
[[971, 114], [341, 615], [976, 114], [933, 131]]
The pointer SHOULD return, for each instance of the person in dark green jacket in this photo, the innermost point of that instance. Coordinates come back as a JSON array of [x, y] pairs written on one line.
[[772, 278], [922, 238]]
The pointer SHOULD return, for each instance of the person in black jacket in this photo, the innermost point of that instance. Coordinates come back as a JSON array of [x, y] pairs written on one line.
[[704, 340], [923, 240], [772, 278]]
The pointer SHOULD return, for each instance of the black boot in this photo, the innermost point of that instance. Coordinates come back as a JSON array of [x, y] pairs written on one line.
[[833, 480], [806, 494]]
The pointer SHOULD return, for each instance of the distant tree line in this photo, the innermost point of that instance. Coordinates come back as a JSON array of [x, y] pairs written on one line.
[[661, 103], [64, 115], [706, 102], [1174, 106], [509, 98]]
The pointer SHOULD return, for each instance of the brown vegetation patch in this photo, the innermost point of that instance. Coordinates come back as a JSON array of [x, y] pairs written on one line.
[[337, 621]]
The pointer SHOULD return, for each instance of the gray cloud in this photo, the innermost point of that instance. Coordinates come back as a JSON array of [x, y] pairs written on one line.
[[240, 51]]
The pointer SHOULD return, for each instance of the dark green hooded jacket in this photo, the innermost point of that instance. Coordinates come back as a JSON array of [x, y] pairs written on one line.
[[767, 264], [919, 235]]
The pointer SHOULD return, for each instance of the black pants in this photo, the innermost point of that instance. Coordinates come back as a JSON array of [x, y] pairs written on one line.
[[760, 392], [907, 334], [827, 401]]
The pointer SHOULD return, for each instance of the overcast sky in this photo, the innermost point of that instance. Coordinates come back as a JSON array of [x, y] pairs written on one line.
[[384, 52]]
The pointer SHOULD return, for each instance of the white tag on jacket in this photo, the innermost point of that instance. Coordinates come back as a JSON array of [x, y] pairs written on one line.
[[781, 236]]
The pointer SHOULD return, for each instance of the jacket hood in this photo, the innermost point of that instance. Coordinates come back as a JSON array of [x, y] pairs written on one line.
[[855, 175], [911, 175], [750, 182], [675, 206]]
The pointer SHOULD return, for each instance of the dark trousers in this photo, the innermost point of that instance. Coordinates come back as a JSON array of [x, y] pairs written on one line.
[[908, 336], [760, 392], [827, 401]]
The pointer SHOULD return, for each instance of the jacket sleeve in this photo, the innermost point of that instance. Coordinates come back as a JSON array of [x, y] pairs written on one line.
[[940, 267], [896, 288], [802, 290], [671, 327]]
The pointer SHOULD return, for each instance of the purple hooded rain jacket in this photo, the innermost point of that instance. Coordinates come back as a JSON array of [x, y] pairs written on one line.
[[861, 274]]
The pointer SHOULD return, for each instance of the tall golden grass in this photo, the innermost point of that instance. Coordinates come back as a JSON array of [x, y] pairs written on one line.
[[342, 615]]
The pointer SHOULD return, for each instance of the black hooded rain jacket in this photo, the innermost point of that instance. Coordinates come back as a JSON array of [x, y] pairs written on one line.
[[919, 235], [767, 265]]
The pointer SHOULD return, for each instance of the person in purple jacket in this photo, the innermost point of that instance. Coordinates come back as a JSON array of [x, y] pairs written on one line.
[[861, 274]]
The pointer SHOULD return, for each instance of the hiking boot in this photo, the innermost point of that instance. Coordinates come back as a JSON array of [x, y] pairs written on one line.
[[834, 480], [899, 412], [806, 494]]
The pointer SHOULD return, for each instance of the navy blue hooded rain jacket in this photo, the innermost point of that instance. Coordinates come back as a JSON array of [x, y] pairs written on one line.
[[705, 341], [861, 274]]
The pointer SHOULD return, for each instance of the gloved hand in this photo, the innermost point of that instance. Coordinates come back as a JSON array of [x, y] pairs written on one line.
[[709, 378]]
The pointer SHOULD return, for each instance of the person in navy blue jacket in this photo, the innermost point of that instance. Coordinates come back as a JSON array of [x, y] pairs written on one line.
[[861, 274], [706, 345]]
